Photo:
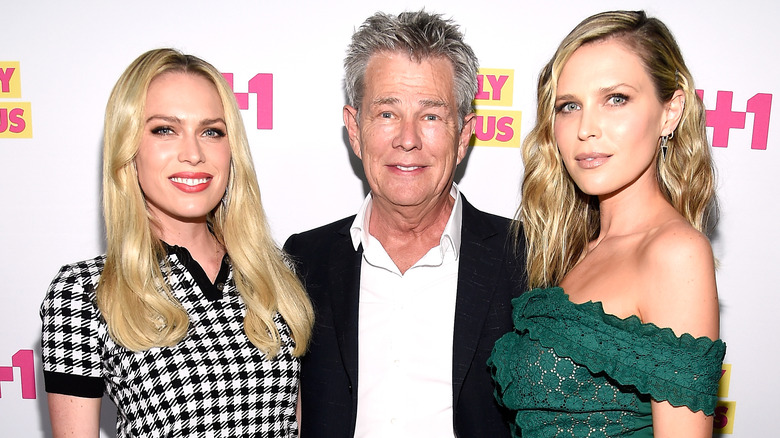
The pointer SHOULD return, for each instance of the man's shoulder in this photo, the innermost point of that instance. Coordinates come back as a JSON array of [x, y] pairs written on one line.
[[333, 227], [320, 236], [493, 218], [488, 230], [476, 218]]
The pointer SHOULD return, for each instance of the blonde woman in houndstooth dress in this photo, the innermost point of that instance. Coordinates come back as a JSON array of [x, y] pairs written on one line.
[[192, 322]]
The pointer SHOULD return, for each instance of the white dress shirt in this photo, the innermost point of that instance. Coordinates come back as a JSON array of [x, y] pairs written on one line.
[[405, 335]]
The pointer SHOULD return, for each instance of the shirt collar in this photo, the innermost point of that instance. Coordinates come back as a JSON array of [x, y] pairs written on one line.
[[450, 238]]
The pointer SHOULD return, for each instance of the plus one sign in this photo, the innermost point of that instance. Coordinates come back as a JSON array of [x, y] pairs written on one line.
[[261, 84], [722, 118]]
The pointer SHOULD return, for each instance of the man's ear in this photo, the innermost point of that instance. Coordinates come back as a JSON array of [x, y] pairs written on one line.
[[351, 123], [464, 139], [673, 111]]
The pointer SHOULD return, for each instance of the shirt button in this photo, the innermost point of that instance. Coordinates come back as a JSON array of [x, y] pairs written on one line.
[[220, 286]]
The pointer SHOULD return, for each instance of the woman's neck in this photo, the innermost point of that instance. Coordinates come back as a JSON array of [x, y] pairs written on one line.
[[200, 242]]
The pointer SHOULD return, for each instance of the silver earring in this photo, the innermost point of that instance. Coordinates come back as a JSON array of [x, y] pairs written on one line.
[[224, 199], [664, 147]]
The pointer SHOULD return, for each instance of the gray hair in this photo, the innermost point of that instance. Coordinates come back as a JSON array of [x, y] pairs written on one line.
[[421, 35]]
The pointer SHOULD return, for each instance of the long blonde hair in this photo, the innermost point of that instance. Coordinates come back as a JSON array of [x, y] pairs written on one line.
[[133, 296], [559, 219]]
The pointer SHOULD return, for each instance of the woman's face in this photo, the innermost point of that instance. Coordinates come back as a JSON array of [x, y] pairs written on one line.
[[608, 119], [183, 161]]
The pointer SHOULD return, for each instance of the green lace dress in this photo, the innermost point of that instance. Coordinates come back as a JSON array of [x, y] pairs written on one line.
[[571, 370]]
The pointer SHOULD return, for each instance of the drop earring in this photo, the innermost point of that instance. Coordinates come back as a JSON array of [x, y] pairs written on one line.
[[224, 199], [664, 147]]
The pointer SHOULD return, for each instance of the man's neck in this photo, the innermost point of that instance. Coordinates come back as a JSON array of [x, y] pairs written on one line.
[[408, 233]]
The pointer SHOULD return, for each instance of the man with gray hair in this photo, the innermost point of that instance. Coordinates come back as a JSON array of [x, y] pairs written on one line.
[[411, 293]]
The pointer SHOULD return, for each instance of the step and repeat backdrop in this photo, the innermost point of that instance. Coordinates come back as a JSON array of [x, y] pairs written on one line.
[[60, 59]]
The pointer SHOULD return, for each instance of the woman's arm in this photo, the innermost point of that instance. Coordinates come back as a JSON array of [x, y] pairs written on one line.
[[673, 422], [683, 296], [298, 409], [73, 416]]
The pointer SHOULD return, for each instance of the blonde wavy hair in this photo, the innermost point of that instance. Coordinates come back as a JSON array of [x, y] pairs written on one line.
[[559, 219], [132, 295]]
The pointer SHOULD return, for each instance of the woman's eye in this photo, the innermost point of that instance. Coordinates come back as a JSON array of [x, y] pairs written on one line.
[[567, 107], [214, 132], [618, 99], [162, 130]]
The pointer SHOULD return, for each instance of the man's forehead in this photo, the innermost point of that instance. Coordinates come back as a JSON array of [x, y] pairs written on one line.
[[388, 72], [415, 58], [422, 101]]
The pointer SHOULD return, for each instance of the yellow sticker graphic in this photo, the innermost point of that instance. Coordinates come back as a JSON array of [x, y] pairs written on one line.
[[497, 128], [495, 87], [15, 120], [10, 80]]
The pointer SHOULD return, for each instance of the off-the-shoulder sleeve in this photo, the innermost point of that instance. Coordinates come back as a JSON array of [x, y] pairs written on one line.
[[682, 370], [70, 332]]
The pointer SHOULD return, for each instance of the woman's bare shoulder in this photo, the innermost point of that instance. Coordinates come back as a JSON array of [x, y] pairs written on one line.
[[678, 269]]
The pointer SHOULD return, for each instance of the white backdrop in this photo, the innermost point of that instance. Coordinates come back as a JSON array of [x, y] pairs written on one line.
[[66, 56]]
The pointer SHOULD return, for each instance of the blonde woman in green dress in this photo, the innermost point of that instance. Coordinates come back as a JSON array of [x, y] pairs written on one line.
[[618, 336]]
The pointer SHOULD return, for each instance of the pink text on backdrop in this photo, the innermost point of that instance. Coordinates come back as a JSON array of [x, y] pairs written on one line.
[[723, 118], [262, 85], [497, 127], [723, 422], [10, 80], [496, 84], [721, 417], [12, 120], [495, 87], [493, 127], [22, 359], [5, 79], [15, 119]]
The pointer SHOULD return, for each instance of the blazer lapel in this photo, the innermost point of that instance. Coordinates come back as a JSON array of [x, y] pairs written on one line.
[[344, 279], [478, 270]]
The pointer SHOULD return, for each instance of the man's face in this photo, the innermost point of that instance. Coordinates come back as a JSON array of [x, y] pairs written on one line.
[[407, 134]]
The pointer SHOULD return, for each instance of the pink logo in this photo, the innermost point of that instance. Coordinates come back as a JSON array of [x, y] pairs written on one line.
[[722, 119], [23, 359], [261, 85]]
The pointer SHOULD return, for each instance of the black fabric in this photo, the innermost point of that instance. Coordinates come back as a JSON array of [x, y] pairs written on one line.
[[69, 384], [212, 291]]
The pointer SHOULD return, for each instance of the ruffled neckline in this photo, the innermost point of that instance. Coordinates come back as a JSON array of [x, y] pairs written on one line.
[[543, 298], [605, 343]]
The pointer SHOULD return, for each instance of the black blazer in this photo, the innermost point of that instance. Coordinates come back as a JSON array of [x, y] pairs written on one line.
[[490, 274]]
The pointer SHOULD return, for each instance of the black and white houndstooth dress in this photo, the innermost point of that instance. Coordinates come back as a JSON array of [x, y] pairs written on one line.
[[213, 383]]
